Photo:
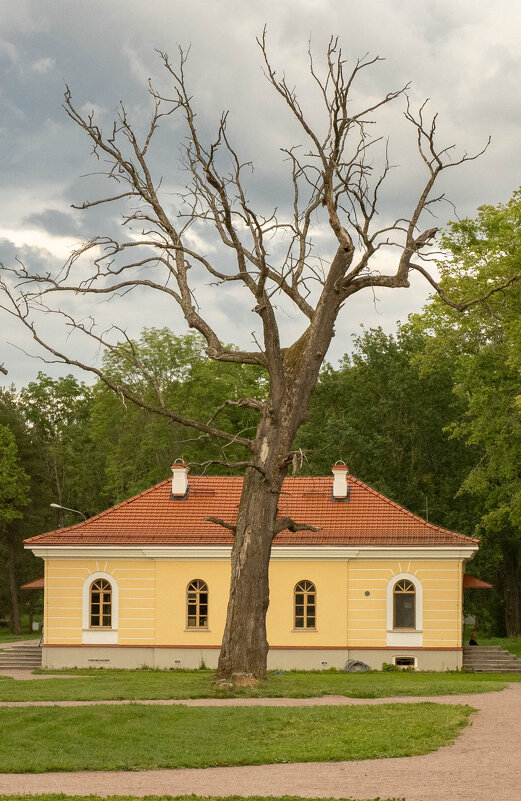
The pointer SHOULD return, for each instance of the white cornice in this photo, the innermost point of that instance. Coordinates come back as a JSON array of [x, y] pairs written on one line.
[[222, 553]]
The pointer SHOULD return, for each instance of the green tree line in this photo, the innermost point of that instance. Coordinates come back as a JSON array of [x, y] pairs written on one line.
[[430, 416]]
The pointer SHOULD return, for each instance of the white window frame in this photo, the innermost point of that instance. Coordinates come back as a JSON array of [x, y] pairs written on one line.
[[99, 636], [401, 638]]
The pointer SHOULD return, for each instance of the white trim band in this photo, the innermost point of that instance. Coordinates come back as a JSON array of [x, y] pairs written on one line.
[[222, 553]]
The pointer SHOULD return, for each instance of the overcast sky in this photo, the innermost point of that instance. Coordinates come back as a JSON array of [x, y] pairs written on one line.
[[462, 54]]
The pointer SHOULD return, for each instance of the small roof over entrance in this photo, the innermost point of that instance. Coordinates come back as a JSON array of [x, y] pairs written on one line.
[[36, 584], [473, 582]]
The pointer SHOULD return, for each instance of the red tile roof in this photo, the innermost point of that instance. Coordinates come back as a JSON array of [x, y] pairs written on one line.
[[152, 518]]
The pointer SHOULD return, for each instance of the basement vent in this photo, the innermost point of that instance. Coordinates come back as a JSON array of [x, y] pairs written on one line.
[[405, 661]]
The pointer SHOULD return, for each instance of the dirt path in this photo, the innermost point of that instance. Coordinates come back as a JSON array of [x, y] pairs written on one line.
[[483, 765]]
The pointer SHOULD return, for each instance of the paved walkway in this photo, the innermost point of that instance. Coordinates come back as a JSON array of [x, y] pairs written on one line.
[[483, 765]]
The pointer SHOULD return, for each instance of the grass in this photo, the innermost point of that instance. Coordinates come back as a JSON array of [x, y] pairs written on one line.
[[7, 636], [512, 644], [102, 684], [143, 737], [63, 797]]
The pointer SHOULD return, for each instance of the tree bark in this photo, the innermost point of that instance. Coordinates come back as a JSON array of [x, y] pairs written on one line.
[[16, 626], [245, 646], [511, 588]]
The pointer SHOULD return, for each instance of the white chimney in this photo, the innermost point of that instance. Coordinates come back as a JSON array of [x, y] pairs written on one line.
[[340, 472], [179, 478]]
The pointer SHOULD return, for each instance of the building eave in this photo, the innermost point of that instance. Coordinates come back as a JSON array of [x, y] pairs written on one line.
[[222, 553]]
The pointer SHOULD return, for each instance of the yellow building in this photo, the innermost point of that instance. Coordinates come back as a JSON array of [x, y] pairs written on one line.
[[146, 582]]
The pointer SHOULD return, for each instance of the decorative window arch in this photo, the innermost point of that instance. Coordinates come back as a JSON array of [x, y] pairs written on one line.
[[305, 605], [404, 603], [197, 605], [100, 604], [96, 628]]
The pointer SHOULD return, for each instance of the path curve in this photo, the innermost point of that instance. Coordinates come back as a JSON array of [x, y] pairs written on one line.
[[483, 765]]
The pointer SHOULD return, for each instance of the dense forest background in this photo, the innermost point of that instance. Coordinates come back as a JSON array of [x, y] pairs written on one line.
[[430, 416]]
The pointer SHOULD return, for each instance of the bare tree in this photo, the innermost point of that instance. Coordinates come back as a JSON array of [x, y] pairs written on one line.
[[335, 188]]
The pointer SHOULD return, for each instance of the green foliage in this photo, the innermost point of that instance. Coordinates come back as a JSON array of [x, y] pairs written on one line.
[[14, 481], [484, 346], [138, 446], [91, 738], [387, 421]]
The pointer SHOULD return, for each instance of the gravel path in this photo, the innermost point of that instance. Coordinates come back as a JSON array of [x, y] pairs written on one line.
[[483, 765]]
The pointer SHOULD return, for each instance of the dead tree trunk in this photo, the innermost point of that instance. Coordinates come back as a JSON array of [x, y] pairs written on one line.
[[16, 624], [511, 591]]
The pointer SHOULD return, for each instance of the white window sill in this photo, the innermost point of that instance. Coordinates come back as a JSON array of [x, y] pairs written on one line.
[[405, 631]]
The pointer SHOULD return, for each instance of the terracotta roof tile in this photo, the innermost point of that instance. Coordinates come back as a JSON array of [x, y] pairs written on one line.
[[152, 518]]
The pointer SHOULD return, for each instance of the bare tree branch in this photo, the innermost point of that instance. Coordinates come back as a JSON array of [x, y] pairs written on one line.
[[222, 523], [287, 522]]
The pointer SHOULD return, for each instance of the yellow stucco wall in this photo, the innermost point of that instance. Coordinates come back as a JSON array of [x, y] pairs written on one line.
[[442, 606], [152, 601]]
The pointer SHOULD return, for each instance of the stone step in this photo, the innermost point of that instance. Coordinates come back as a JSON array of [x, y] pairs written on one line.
[[500, 665], [493, 670], [494, 657], [490, 659]]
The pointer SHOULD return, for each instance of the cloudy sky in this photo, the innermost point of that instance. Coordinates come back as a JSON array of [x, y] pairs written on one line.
[[462, 54]]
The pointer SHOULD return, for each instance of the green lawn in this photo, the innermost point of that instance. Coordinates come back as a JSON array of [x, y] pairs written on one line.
[[161, 684], [62, 797], [139, 737]]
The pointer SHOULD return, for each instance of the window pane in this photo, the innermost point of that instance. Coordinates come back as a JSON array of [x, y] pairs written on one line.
[[311, 623], [404, 611], [94, 620], [95, 597], [203, 622], [191, 622], [106, 620], [299, 623]]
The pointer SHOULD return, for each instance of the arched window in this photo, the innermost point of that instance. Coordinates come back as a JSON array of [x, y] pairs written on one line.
[[404, 605], [100, 604], [305, 605], [197, 605]]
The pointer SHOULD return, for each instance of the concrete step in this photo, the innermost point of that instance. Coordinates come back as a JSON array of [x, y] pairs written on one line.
[[490, 659], [21, 657], [492, 668], [14, 660]]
